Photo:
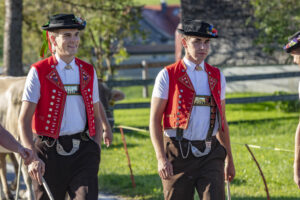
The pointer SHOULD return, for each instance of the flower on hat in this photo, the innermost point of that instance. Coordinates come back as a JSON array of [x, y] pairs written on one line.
[[212, 31], [80, 21], [292, 43]]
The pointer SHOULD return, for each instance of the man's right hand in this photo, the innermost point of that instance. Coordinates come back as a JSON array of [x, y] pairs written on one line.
[[297, 175], [36, 170], [165, 168]]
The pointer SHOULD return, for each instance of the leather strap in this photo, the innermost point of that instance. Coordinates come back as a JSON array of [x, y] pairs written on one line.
[[202, 100]]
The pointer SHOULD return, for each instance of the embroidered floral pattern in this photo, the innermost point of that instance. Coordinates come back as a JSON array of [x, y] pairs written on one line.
[[85, 78], [54, 78], [292, 43], [80, 21], [212, 82], [185, 80]]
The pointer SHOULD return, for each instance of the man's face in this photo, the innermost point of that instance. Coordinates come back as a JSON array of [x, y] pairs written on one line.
[[196, 47], [296, 55], [296, 59], [66, 42]]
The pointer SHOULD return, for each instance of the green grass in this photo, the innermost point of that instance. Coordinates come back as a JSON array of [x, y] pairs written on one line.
[[263, 124]]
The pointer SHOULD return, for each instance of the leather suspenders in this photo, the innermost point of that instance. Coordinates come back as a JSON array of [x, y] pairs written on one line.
[[201, 100]]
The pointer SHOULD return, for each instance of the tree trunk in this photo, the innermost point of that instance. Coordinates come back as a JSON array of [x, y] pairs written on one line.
[[12, 54]]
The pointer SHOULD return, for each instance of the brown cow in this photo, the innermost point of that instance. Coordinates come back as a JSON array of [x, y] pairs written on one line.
[[11, 90]]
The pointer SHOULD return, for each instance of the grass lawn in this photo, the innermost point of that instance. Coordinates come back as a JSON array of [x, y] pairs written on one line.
[[262, 124]]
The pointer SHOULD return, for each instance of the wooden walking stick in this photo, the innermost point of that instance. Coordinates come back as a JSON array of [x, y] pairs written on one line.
[[228, 191], [47, 189], [128, 159], [260, 171]]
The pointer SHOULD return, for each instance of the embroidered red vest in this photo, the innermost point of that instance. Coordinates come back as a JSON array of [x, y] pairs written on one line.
[[49, 111], [182, 94]]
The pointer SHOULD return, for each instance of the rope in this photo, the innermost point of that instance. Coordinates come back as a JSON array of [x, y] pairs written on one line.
[[261, 147]]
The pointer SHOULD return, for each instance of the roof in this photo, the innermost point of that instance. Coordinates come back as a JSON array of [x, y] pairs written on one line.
[[163, 19]]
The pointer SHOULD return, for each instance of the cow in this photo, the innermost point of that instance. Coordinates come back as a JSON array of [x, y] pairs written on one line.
[[11, 90], [108, 98]]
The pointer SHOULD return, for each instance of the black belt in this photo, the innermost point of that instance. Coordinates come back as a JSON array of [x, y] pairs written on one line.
[[50, 142], [200, 144]]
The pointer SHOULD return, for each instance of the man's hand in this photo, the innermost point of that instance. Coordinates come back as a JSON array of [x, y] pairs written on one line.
[[229, 171], [107, 137], [26, 154], [36, 169], [165, 168], [297, 175]]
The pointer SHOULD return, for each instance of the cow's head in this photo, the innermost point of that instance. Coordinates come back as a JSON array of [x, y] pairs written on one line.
[[108, 97]]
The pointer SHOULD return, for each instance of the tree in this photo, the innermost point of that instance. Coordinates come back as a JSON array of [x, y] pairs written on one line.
[[276, 20], [12, 54], [108, 24]]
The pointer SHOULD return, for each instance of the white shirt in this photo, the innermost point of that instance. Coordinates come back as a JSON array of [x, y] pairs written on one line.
[[200, 117], [74, 116]]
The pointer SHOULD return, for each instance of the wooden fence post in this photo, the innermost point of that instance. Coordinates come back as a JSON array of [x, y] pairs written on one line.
[[144, 77]]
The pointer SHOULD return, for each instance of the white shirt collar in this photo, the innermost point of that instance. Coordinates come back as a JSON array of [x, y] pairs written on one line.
[[190, 65], [61, 64]]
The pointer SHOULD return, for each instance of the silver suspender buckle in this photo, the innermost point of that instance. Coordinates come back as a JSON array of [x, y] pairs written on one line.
[[197, 153]]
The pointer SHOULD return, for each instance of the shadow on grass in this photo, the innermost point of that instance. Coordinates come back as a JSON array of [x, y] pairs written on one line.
[[147, 186], [150, 187], [254, 106], [130, 133]]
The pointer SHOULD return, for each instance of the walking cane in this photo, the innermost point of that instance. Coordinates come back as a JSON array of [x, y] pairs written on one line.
[[228, 191], [18, 178], [47, 189], [43, 181]]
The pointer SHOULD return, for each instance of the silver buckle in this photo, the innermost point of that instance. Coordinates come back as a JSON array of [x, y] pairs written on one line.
[[199, 101], [60, 150], [198, 153]]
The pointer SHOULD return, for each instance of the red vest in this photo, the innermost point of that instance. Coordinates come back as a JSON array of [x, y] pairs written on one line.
[[49, 111], [182, 94]]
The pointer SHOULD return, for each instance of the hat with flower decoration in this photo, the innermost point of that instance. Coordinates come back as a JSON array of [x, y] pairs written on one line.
[[64, 21], [60, 21], [198, 28], [294, 43]]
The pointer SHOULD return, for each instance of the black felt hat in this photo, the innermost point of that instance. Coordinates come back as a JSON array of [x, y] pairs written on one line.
[[294, 43], [64, 21], [198, 28]]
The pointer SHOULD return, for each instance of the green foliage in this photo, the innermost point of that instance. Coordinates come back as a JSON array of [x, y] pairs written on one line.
[[102, 42], [261, 124], [276, 20]]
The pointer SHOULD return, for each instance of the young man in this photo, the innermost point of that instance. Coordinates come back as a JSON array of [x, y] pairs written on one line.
[[293, 47], [10, 143], [61, 107], [189, 96]]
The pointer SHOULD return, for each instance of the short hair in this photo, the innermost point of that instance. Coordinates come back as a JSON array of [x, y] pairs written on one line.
[[52, 33]]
